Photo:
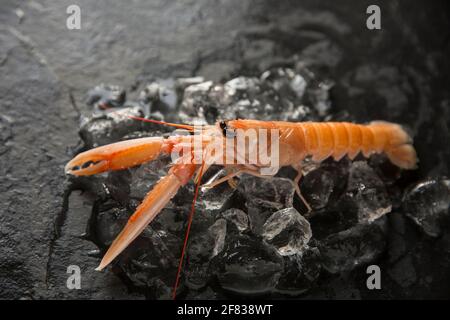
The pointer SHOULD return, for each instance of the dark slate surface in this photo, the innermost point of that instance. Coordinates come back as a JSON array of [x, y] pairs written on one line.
[[399, 73]]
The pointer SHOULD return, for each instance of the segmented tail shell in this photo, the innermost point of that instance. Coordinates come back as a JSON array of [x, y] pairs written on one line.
[[337, 139]]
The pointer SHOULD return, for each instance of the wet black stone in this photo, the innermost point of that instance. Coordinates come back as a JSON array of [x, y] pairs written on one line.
[[109, 126]]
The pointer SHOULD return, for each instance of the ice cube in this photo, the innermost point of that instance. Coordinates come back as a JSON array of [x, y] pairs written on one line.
[[238, 217], [366, 193], [204, 247], [361, 244], [288, 231], [262, 197], [427, 204], [300, 272], [248, 266]]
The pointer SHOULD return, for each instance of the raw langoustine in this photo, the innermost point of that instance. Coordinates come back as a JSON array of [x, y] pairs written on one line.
[[295, 142]]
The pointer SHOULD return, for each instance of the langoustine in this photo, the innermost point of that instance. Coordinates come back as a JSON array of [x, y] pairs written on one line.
[[295, 142]]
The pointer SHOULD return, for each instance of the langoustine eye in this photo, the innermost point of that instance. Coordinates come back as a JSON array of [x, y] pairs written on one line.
[[226, 131]]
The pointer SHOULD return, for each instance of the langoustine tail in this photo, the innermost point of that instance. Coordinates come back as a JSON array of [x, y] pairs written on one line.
[[338, 139], [398, 145]]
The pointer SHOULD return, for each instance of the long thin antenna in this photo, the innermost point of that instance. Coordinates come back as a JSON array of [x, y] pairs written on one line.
[[188, 229], [176, 125]]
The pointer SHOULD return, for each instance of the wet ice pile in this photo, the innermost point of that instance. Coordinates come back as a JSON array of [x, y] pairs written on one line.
[[254, 239]]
